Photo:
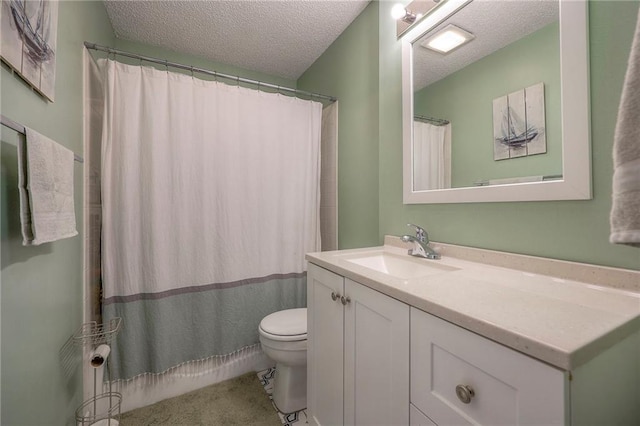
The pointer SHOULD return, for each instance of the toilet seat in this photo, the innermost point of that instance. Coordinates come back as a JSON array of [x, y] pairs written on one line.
[[285, 326]]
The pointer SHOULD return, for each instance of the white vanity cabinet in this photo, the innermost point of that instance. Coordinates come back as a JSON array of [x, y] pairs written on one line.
[[358, 352], [475, 344], [458, 377]]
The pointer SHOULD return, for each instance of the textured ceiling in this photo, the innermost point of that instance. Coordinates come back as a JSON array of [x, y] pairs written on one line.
[[280, 38], [495, 25]]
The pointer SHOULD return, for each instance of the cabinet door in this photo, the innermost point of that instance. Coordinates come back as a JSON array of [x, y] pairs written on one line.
[[417, 417], [325, 347], [458, 377], [376, 360]]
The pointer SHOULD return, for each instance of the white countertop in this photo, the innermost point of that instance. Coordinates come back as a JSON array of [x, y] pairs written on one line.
[[559, 321]]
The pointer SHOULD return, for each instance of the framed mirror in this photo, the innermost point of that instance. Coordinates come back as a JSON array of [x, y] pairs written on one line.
[[505, 115]]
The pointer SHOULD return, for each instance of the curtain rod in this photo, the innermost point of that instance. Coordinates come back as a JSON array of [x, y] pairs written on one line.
[[7, 122], [436, 121], [166, 63]]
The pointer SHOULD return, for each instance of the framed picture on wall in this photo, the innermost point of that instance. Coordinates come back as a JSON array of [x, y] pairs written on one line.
[[519, 124], [28, 31]]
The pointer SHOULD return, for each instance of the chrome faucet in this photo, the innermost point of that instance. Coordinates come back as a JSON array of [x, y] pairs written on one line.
[[420, 243]]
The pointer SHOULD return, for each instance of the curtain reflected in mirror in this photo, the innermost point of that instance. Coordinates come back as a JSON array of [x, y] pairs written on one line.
[[431, 154]]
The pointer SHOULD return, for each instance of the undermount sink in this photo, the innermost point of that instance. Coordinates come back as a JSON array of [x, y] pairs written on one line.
[[403, 267]]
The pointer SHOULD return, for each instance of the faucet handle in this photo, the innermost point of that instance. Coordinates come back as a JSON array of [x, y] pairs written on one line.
[[421, 234]]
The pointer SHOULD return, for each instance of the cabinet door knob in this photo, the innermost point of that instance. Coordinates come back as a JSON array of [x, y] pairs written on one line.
[[335, 296], [345, 300], [465, 393]]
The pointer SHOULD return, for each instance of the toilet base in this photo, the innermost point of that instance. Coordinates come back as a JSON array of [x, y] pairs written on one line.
[[290, 388]]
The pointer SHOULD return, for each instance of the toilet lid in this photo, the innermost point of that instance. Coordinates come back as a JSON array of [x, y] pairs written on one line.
[[290, 322]]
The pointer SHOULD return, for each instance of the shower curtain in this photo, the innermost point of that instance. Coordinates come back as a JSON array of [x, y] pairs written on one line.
[[210, 202], [431, 156]]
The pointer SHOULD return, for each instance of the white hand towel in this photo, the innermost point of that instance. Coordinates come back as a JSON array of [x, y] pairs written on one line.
[[625, 209], [45, 180]]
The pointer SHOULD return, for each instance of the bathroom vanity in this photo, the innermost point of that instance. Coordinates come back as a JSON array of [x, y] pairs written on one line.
[[479, 337]]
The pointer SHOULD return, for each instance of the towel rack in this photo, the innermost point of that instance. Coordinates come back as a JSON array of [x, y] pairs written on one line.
[[7, 122]]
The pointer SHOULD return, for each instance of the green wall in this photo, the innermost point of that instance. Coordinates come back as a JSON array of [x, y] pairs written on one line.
[[41, 291], [348, 69], [570, 230], [465, 98]]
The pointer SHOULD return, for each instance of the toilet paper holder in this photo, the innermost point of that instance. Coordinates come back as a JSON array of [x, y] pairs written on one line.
[[102, 405]]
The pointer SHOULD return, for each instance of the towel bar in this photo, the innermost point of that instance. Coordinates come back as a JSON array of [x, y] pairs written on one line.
[[7, 122]]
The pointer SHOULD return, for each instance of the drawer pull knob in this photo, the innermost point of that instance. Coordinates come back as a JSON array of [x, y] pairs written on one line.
[[345, 300], [465, 393], [335, 296]]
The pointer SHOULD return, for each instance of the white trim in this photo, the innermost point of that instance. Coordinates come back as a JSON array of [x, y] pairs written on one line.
[[576, 151], [87, 378]]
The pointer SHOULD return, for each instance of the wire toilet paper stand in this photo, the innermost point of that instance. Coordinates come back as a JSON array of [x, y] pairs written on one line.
[[103, 408]]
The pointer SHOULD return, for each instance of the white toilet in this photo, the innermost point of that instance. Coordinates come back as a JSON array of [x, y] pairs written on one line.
[[283, 336]]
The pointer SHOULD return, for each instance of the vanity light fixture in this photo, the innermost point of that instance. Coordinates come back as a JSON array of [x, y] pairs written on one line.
[[399, 12], [447, 39]]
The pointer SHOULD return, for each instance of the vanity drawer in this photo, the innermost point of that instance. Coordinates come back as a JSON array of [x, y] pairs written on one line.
[[459, 377]]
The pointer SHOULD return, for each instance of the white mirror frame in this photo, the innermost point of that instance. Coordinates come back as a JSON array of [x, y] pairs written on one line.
[[575, 110]]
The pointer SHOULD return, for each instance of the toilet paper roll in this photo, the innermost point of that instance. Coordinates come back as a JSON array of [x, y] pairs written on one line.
[[99, 356]]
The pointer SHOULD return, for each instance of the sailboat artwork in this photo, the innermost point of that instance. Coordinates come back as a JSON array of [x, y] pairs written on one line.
[[515, 132], [29, 30], [519, 124]]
